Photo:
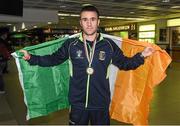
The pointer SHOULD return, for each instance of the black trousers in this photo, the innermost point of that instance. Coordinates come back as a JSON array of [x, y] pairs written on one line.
[[84, 117], [2, 65]]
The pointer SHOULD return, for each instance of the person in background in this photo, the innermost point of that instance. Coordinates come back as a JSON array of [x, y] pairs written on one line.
[[3, 39], [4, 57], [90, 55], [35, 41]]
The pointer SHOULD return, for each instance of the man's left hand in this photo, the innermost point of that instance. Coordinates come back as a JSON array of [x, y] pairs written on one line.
[[147, 51]]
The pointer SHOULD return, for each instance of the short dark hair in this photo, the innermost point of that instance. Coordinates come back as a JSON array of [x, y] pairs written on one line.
[[90, 8]]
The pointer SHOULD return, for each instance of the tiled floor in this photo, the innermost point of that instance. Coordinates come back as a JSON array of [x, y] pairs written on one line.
[[164, 109], [6, 116]]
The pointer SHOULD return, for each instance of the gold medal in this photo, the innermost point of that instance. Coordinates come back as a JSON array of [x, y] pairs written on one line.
[[90, 70]]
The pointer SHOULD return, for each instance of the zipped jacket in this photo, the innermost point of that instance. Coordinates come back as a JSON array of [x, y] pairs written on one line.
[[90, 91]]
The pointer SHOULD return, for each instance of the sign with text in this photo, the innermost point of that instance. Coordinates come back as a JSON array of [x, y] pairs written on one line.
[[130, 27]]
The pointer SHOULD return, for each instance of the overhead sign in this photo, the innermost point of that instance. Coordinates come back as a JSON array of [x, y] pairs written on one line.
[[173, 22], [150, 27], [147, 34], [121, 28]]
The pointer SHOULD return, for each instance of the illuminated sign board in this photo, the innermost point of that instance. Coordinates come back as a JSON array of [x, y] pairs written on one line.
[[146, 34], [173, 22], [150, 27], [147, 40], [121, 28]]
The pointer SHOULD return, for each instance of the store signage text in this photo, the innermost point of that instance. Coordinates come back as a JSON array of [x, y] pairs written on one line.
[[120, 28]]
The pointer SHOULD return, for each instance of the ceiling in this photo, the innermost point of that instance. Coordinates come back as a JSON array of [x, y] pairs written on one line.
[[127, 10]]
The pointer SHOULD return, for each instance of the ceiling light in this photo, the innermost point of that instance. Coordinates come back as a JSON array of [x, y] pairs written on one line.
[[49, 22], [86, 5], [103, 17], [165, 1], [14, 28], [121, 18], [62, 14], [132, 12], [175, 7], [62, 18], [23, 26], [8, 24], [62, 6], [74, 15]]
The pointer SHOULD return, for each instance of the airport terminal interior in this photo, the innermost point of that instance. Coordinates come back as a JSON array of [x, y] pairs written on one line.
[[34, 22]]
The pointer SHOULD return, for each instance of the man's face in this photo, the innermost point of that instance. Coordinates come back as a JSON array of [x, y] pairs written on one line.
[[89, 22]]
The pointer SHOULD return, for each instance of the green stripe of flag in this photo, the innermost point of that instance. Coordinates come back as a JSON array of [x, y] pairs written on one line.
[[45, 88]]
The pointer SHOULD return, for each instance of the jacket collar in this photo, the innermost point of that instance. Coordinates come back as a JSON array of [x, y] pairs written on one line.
[[99, 38]]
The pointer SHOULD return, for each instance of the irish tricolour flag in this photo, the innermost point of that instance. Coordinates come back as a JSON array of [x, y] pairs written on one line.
[[46, 88]]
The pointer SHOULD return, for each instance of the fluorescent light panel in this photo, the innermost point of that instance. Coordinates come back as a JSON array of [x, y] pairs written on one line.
[[102, 17]]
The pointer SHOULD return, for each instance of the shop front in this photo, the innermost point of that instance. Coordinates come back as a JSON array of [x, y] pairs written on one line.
[[174, 38]]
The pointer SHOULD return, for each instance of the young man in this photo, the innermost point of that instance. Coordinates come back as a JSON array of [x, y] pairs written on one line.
[[90, 56]]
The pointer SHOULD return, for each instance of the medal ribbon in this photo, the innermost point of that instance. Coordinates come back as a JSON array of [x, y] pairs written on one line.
[[91, 54], [89, 58]]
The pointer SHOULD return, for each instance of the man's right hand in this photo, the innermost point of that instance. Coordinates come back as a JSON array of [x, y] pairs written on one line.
[[26, 56]]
